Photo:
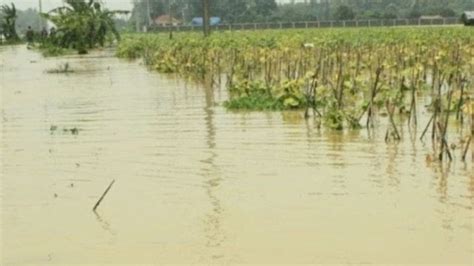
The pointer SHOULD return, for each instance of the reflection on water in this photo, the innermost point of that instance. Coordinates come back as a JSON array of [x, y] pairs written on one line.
[[198, 184], [104, 224], [213, 228]]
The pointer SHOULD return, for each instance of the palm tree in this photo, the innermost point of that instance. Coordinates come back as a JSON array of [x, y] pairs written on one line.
[[8, 21]]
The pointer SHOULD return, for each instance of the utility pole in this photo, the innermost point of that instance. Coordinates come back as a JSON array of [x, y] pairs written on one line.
[[184, 16], [205, 18], [137, 16], [327, 10], [40, 22], [148, 12], [171, 19]]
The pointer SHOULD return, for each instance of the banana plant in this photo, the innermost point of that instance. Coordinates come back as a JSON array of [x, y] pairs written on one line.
[[83, 25], [7, 23]]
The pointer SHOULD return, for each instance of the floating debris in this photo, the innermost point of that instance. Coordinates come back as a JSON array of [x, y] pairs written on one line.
[[73, 131], [61, 69]]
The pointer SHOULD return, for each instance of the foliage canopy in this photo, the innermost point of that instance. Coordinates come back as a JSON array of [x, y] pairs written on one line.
[[7, 22], [83, 25]]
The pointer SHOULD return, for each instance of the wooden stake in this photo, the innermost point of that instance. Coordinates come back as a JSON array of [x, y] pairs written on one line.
[[472, 129], [390, 111], [103, 195], [465, 149], [426, 128]]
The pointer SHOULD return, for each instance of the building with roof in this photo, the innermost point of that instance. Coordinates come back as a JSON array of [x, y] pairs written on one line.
[[167, 20], [213, 21]]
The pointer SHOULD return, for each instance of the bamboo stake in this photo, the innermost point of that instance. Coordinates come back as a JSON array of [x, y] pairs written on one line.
[[472, 129], [103, 195], [392, 122], [427, 126], [374, 90], [466, 149], [444, 144], [444, 129], [460, 103]]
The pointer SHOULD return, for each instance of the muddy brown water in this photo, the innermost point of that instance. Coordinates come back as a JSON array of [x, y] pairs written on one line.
[[197, 184]]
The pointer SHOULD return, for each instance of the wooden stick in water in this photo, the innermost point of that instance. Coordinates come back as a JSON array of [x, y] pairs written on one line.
[[426, 128], [390, 111], [468, 143], [444, 144], [103, 195], [472, 129]]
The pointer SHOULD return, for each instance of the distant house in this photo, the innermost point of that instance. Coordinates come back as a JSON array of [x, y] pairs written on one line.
[[468, 18], [166, 20], [199, 21]]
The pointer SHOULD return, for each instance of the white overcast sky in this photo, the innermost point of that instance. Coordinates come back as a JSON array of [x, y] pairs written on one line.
[[50, 4]]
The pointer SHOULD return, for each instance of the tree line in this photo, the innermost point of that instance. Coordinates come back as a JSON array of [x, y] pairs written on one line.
[[241, 11]]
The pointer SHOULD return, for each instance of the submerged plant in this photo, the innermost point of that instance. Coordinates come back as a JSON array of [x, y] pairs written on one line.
[[8, 17], [82, 25], [61, 69], [344, 76]]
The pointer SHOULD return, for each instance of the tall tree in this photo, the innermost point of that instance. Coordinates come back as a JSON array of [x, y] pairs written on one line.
[[234, 10], [344, 13], [9, 16], [265, 7]]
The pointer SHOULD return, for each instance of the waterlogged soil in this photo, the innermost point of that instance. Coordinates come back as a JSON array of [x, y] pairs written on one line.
[[196, 184]]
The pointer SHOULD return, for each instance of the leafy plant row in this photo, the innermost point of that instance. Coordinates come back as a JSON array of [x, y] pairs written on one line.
[[342, 76]]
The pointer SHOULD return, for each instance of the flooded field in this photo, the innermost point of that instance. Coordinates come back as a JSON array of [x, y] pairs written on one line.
[[196, 184]]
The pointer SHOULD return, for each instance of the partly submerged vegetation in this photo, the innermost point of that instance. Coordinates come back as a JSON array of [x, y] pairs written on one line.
[[82, 25], [47, 49], [64, 68], [8, 16], [341, 76]]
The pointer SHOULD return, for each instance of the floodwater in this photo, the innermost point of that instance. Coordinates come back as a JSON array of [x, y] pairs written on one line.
[[196, 184]]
